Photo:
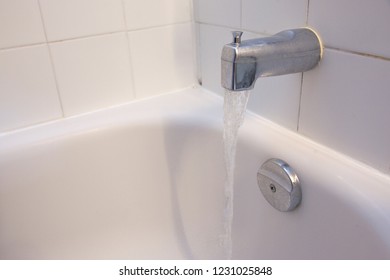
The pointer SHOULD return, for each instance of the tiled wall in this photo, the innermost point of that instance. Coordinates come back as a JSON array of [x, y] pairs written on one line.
[[345, 102], [59, 58]]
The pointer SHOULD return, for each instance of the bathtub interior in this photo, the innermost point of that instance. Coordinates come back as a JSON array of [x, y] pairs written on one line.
[[145, 181]]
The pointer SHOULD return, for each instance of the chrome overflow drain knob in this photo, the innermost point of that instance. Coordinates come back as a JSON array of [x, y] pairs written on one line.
[[279, 185]]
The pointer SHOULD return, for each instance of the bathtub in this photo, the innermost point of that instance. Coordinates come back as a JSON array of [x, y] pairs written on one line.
[[145, 180]]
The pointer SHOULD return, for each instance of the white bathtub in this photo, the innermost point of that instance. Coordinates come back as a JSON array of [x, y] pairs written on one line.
[[145, 181]]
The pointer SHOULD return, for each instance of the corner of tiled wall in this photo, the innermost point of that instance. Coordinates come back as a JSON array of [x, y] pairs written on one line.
[[344, 102], [65, 57]]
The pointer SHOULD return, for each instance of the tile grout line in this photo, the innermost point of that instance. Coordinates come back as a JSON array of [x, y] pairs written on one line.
[[241, 14], [89, 36], [358, 53], [129, 52], [195, 40], [23, 46], [198, 46], [51, 61], [307, 12], [300, 102], [302, 74]]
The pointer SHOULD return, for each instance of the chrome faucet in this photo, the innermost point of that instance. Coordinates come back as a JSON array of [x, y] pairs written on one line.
[[289, 51]]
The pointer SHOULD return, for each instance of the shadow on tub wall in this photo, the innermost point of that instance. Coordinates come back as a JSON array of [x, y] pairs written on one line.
[[197, 179]]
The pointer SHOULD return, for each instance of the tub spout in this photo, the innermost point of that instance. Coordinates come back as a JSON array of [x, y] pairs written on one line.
[[289, 51]]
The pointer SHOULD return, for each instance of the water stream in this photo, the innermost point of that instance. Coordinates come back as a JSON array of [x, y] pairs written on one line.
[[234, 112]]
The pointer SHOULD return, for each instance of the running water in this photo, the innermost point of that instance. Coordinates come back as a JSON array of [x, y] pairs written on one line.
[[234, 111]]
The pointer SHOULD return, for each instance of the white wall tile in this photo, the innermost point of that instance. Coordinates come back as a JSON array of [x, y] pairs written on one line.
[[28, 93], [149, 13], [65, 19], [346, 105], [212, 39], [20, 23], [356, 25], [162, 58], [219, 12], [277, 99], [272, 16], [93, 72]]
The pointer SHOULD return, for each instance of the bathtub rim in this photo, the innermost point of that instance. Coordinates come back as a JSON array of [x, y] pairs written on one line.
[[200, 107]]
